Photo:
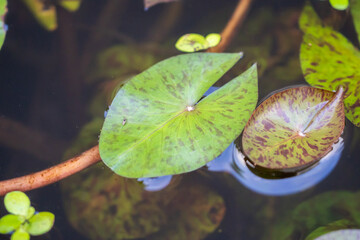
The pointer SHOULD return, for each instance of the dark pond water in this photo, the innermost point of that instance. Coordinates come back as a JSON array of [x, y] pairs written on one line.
[[52, 89]]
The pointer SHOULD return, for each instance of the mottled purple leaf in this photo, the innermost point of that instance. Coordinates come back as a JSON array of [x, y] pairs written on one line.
[[294, 128]]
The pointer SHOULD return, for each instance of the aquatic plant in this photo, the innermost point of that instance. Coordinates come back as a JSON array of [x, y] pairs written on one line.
[[155, 126], [329, 60], [22, 220], [294, 128], [193, 42]]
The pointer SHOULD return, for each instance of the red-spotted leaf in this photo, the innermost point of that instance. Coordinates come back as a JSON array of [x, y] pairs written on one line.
[[294, 128], [156, 125], [329, 60]]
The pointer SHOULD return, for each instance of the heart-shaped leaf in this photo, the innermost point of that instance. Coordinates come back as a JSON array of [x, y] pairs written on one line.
[[40, 223], [294, 128], [155, 125], [3, 27], [70, 5], [329, 60], [17, 203]]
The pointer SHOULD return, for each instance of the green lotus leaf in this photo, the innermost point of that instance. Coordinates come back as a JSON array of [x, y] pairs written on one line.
[[329, 60], [17, 203], [339, 4], [213, 39], [155, 125], [191, 42], [70, 5], [294, 128], [355, 12], [345, 234], [3, 10], [40, 223], [337, 225], [10, 223], [20, 234], [44, 13]]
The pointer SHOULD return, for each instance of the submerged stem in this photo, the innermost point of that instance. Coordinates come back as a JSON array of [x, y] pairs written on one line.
[[234, 23]]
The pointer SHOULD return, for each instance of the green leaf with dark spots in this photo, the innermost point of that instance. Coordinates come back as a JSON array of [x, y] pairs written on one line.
[[294, 128], [329, 60], [155, 125], [355, 12]]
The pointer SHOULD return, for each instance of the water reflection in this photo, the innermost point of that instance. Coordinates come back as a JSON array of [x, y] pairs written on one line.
[[155, 183], [233, 162]]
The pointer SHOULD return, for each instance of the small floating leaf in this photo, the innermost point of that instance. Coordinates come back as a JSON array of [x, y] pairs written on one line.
[[20, 234], [294, 128], [3, 10], [70, 5], [329, 60], [339, 4], [40, 223], [17, 203], [44, 12], [10, 223], [167, 131], [213, 39], [191, 42]]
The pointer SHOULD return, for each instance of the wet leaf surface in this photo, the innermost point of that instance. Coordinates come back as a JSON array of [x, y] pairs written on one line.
[[294, 128], [166, 131], [329, 60], [3, 27]]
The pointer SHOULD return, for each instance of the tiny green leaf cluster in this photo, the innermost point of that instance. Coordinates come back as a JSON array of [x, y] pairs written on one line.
[[22, 220], [193, 42]]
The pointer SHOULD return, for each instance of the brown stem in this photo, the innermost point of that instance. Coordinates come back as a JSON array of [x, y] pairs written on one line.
[[231, 28], [51, 175]]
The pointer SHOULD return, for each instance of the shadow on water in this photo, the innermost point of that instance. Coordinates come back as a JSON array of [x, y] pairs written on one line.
[[233, 162]]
